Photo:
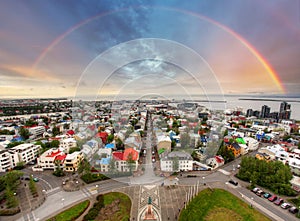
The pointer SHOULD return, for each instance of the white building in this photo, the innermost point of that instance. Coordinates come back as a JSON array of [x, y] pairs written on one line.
[[27, 152], [50, 158], [66, 144], [8, 160], [36, 131], [177, 161]]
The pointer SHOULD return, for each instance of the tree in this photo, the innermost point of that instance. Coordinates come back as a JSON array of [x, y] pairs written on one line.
[[130, 162], [74, 149], [24, 133], [13, 144], [175, 164], [110, 138], [119, 144], [112, 166], [84, 167], [227, 154], [55, 131], [185, 140], [54, 143], [58, 171], [11, 200]]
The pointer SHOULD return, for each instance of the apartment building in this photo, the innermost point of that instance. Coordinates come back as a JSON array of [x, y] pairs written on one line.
[[50, 159], [66, 144], [72, 161], [27, 152], [176, 161]]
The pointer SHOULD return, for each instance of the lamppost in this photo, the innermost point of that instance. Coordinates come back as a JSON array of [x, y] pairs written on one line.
[[62, 201], [203, 178], [252, 200]]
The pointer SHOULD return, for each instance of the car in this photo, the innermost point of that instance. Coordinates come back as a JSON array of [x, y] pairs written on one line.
[[272, 198], [278, 202], [293, 210], [35, 179], [254, 190], [233, 182], [260, 193], [267, 195], [285, 205]]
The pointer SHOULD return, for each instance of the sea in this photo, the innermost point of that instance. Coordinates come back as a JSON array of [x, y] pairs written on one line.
[[219, 102]]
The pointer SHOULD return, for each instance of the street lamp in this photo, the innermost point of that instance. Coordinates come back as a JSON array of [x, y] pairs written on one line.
[[252, 200], [203, 180], [62, 200]]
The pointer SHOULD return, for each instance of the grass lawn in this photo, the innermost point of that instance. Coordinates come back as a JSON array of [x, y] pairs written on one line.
[[125, 205], [219, 205], [72, 213]]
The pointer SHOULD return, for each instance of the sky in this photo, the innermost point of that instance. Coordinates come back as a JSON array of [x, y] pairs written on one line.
[[65, 48]]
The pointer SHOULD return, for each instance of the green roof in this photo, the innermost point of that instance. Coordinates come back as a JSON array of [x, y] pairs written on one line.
[[240, 140], [160, 151]]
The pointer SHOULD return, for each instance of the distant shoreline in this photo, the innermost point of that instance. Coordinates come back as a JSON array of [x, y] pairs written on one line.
[[268, 99]]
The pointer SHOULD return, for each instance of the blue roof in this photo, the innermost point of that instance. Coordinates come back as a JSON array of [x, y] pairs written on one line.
[[105, 161], [110, 145]]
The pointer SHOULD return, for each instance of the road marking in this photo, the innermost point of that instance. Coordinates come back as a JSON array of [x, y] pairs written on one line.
[[46, 182], [224, 172]]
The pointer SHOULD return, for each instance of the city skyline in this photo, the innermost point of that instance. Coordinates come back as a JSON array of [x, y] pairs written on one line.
[[59, 49]]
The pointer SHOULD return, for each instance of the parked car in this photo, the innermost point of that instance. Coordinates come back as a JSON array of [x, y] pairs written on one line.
[[35, 179], [278, 202], [272, 198], [260, 193], [293, 210], [233, 182], [267, 195], [254, 190], [285, 205]]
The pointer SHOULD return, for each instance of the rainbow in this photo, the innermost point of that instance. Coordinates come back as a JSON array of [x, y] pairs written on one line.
[[272, 73]]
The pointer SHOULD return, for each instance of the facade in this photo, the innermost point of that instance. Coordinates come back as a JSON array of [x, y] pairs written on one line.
[[8, 160], [37, 131], [236, 149], [176, 161], [164, 142], [72, 161], [66, 144], [27, 152], [50, 159]]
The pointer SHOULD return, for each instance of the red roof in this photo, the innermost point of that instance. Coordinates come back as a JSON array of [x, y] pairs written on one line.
[[61, 157], [219, 159], [54, 153], [118, 155], [103, 135], [70, 132], [134, 154]]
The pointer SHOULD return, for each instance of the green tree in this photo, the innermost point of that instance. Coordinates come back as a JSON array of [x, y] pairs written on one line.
[[13, 144], [74, 149], [227, 154], [11, 200], [55, 131], [112, 166], [58, 170], [24, 133], [110, 138], [54, 143], [185, 140], [130, 162], [175, 164]]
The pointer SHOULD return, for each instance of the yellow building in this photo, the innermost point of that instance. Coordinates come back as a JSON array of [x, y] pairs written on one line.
[[236, 149], [72, 161], [263, 156]]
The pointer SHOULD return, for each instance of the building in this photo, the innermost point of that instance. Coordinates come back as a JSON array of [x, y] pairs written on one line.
[[36, 131], [249, 113], [284, 110], [122, 160], [51, 159], [236, 149], [66, 144], [8, 160], [265, 111], [72, 161], [164, 142], [176, 161], [215, 161], [27, 152]]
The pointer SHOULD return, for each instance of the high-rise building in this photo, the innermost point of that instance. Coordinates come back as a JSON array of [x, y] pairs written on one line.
[[284, 111], [265, 111], [249, 113]]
